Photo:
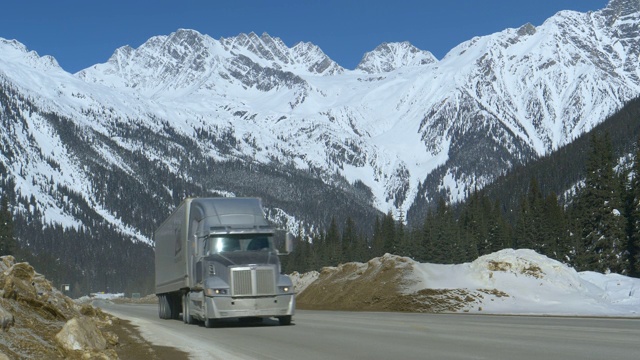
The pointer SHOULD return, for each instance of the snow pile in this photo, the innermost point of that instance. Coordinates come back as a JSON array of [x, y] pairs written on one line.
[[301, 281], [535, 285], [107, 296], [505, 282], [619, 290]]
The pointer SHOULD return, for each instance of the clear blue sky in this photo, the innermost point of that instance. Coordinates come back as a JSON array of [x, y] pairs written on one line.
[[82, 33]]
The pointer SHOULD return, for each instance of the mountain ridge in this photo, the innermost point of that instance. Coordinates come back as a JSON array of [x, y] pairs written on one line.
[[403, 125]]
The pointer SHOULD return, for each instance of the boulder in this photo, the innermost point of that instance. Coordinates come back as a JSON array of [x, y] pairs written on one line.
[[81, 333], [18, 282]]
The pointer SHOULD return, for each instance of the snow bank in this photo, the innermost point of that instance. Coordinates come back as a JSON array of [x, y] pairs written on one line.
[[301, 281], [537, 285], [107, 296], [505, 282]]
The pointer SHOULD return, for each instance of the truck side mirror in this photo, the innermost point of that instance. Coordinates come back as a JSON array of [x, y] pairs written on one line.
[[288, 243]]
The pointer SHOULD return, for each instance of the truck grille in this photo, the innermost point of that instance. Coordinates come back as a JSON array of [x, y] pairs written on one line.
[[259, 281]]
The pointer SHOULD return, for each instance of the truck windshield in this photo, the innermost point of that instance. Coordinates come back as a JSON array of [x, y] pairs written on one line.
[[220, 244]]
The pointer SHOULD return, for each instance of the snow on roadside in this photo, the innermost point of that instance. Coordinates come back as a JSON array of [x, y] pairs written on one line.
[[535, 284], [301, 281], [505, 282]]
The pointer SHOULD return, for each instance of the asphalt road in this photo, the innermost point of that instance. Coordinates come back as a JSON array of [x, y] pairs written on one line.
[[368, 335]]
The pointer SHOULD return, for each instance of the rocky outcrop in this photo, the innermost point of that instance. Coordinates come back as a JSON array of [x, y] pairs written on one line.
[[38, 321], [6, 319]]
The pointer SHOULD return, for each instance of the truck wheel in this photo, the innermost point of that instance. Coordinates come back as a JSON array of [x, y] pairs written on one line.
[[284, 320], [163, 304], [186, 309], [208, 323], [175, 306]]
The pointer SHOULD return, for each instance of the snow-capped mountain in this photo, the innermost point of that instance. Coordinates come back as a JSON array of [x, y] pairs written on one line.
[[391, 56], [400, 128]]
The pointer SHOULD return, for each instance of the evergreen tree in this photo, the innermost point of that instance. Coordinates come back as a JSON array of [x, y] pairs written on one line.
[[603, 228], [403, 240], [8, 243], [388, 230], [475, 224], [555, 234], [332, 243], [521, 236], [536, 224], [634, 217], [499, 230], [378, 241], [348, 241], [426, 248], [446, 235], [319, 254], [361, 249]]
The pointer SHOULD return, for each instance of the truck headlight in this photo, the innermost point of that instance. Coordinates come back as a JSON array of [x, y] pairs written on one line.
[[214, 292]]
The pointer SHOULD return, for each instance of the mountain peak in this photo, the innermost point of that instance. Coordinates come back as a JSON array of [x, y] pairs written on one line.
[[623, 7], [623, 12], [188, 39], [14, 44], [278, 55], [182, 33], [16, 49], [387, 57], [526, 29]]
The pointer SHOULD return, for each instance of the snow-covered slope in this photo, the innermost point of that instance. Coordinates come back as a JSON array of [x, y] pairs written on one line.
[[403, 124], [505, 97]]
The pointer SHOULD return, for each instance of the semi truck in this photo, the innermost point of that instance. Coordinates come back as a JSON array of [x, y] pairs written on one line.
[[215, 258]]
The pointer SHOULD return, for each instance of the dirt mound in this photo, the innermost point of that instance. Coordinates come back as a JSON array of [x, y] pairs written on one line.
[[34, 312], [379, 285], [39, 322]]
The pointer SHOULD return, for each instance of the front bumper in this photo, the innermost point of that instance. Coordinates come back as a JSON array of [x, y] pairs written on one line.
[[219, 307]]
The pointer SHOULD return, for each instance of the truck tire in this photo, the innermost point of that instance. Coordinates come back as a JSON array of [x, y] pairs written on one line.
[[163, 306], [284, 320], [208, 323], [186, 309], [169, 306], [176, 306]]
